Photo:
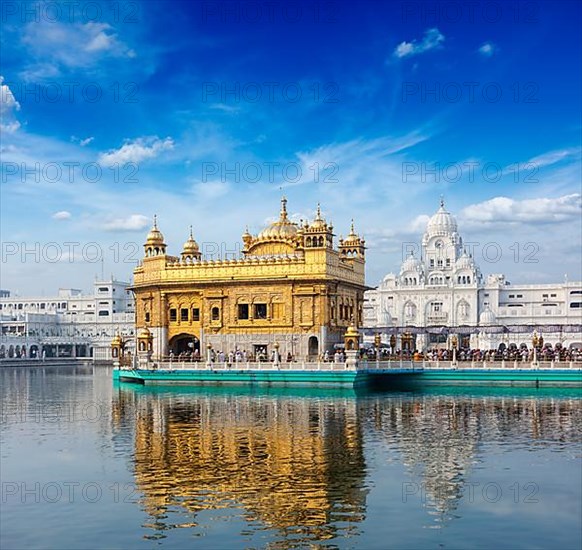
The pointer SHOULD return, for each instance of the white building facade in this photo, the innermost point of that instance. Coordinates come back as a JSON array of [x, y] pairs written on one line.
[[442, 294], [69, 324]]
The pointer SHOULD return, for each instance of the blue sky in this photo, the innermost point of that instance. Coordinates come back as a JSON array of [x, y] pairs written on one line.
[[202, 112]]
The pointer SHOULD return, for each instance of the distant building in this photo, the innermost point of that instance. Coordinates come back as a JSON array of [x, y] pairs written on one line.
[[68, 324], [442, 293]]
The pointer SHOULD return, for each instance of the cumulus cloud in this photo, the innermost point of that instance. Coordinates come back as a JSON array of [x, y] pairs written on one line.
[[135, 222], [136, 151], [528, 211], [487, 49], [8, 106], [432, 39], [62, 215]]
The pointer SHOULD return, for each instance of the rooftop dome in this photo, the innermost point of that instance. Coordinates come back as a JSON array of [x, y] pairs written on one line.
[[155, 237], [411, 264], [442, 222], [190, 246], [487, 317], [352, 239], [283, 228], [318, 222], [465, 262]]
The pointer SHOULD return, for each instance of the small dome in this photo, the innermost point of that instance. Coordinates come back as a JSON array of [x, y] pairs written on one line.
[[117, 341], [283, 228], [155, 237], [442, 222], [190, 246], [352, 239], [487, 317], [465, 262], [318, 222], [411, 264], [144, 333]]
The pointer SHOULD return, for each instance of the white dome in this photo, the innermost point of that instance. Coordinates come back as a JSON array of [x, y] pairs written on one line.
[[411, 264], [487, 317], [465, 262], [442, 222]]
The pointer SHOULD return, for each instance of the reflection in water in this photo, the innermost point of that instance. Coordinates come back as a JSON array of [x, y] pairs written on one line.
[[296, 464], [293, 464], [440, 437]]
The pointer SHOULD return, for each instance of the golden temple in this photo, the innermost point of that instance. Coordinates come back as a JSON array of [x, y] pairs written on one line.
[[291, 290]]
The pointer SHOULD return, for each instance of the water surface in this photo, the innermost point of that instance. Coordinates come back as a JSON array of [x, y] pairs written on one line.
[[89, 464]]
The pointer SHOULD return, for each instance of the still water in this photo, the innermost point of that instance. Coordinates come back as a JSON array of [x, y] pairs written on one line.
[[89, 464]]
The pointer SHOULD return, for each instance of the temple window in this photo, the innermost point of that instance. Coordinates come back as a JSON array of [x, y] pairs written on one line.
[[260, 311], [147, 316], [195, 314], [243, 311], [184, 314], [173, 315], [215, 314]]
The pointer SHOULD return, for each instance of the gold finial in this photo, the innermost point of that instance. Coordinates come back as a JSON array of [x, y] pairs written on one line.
[[283, 208], [352, 231], [318, 212], [155, 221], [191, 236], [442, 201]]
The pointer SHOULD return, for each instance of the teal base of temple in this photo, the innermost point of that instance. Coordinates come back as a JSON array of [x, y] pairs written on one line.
[[373, 379]]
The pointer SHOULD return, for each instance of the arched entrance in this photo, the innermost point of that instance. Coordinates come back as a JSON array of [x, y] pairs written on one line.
[[313, 346], [186, 344]]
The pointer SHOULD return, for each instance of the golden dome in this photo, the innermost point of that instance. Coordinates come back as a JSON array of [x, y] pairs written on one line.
[[117, 341], [190, 246], [283, 228], [144, 333], [352, 238], [318, 222], [155, 237]]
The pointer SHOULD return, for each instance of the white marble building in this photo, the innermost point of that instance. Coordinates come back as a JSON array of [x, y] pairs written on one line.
[[442, 293], [67, 324]]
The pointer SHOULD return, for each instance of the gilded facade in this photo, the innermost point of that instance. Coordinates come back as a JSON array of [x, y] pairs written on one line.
[[291, 287]]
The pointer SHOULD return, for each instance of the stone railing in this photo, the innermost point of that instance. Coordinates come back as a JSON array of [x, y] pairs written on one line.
[[252, 365]]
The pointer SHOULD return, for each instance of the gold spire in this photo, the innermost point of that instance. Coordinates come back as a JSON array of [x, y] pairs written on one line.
[[283, 213]]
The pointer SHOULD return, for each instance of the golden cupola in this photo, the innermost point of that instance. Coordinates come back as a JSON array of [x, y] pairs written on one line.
[[155, 245], [282, 229], [319, 233], [352, 246], [191, 250]]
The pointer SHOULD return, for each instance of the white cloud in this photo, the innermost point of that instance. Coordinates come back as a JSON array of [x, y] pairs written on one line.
[[528, 211], [487, 49], [57, 45], [82, 142], [135, 222], [432, 39], [62, 215], [8, 105], [136, 151], [553, 157]]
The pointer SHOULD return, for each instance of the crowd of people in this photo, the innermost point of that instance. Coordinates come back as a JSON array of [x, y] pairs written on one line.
[[545, 353]]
